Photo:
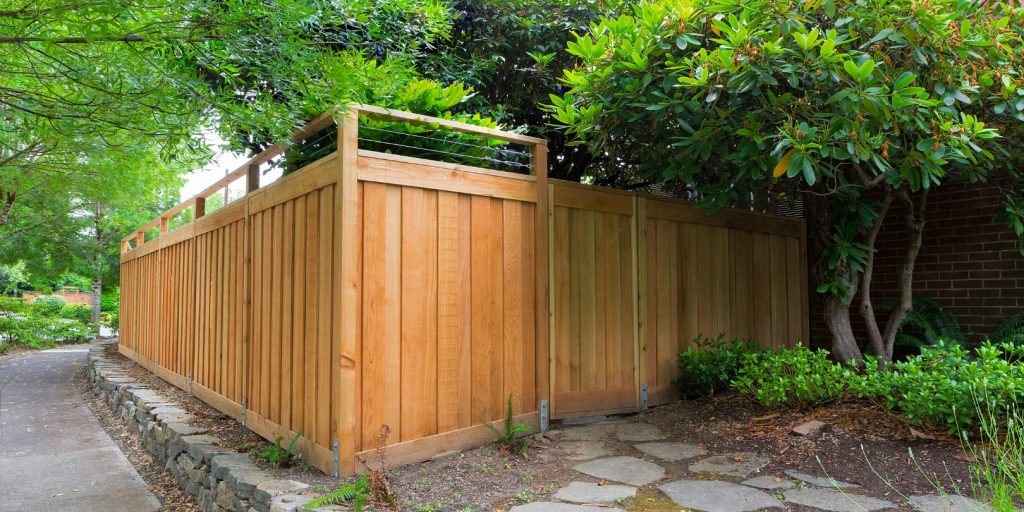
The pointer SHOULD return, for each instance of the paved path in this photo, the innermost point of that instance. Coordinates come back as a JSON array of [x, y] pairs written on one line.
[[54, 455]]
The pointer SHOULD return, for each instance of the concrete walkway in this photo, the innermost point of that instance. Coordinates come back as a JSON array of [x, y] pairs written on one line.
[[54, 455]]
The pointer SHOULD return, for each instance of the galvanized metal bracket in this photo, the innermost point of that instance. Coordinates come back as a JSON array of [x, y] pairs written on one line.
[[189, 383], [334, 446], [544, 417], [242, 419], [643, 397]]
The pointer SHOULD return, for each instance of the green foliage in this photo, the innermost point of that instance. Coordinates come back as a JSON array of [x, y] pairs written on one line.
[[13, 305], [39, 332], [997, 461], [508, 437], [749, 102], [357, 492], [939, 387], [48, 305], [793, 377], [79, 312], [1010, 330], [110, 301], [711, 365], [279, 456]]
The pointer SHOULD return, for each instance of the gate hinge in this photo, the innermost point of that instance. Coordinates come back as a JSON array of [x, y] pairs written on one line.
[[242, 419], [334, 445], [544, 417], [189, 383], [643, 397]]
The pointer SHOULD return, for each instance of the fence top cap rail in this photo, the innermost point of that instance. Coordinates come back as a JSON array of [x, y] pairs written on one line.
[[409, 117], [319, 123]]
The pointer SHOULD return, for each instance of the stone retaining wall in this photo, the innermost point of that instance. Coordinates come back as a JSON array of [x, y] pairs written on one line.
[[220, 478]]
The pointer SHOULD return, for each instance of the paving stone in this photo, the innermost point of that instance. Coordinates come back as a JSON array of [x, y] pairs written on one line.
[[819, 481], [587, 492], [671, 451], [289, 502], [629, 470], [809, 428], [835, 501], [769, 482], [584, 450], [632, 432], [741, 464], [592, 432], [952, 503], [550, 506], [718, 496]]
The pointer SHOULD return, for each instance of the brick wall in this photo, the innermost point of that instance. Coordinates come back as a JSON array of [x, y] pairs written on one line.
[[967, 264]]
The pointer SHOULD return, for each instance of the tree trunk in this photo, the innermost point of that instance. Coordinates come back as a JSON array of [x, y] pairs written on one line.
[[867, 309], [837, 318], [97, 292], [915, 235]]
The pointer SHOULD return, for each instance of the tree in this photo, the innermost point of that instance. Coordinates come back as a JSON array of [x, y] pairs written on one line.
[[847, 106]]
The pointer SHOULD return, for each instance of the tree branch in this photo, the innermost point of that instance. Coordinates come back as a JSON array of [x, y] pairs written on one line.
[[915, 235], [867, 310]]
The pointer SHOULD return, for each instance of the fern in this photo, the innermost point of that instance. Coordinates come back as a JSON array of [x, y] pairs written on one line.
[[926, 324], [355, 492], [512, 430], [1011, 330]]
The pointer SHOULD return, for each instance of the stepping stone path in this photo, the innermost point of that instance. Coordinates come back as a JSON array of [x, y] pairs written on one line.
[[671, 452], [772, 483], [718, 496], [836, 501], [592, 432], [586, 492], [741, 464], [818, 481], [633, 432], [592, 442], [954, 503], [585, 450], [629, 470], [548, 506]]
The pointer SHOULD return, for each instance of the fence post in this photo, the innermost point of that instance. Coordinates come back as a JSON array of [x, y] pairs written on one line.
[[252, 179], [542, 264], [200, 207], [346, 279]]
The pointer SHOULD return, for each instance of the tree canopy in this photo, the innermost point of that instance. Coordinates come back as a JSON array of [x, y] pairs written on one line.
[[846, 106]]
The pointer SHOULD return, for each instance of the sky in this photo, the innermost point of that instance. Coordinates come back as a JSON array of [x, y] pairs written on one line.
[[222, 163]]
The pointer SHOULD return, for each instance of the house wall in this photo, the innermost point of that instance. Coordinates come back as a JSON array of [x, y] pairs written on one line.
[[967, 264]]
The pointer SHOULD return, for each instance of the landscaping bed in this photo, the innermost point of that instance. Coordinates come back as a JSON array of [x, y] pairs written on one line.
[[858, 443]]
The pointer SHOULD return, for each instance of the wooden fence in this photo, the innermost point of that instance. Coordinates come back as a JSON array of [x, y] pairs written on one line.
[[371, 289]]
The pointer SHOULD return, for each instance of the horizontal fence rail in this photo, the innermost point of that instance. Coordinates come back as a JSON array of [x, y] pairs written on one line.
[[370, 288]]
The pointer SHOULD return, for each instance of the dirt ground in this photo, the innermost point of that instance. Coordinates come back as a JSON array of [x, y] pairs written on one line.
[[859, 444]]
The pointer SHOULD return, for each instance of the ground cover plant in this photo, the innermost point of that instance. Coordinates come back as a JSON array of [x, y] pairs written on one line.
[[945, 387]]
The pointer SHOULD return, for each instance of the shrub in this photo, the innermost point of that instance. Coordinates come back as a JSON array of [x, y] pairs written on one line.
[[39, 332], [795, 377], [13, 305], [110, 301], [942, 386], [48, 305], [711, 365], [110, 319], [80, 312]]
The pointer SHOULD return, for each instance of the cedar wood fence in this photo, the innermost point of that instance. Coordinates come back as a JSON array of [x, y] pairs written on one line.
[[371, 289]]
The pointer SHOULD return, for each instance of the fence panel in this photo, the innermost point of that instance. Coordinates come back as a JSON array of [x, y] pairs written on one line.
[[594, 289], [733, 273], [448, 303], [370, 289]]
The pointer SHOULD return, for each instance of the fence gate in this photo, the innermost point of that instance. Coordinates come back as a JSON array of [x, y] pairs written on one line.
[[594, 339]]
